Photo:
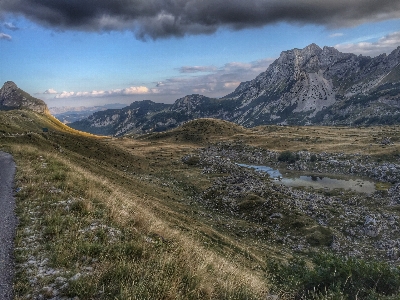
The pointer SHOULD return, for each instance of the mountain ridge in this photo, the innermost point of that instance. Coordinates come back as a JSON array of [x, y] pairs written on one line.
[[309, 86]]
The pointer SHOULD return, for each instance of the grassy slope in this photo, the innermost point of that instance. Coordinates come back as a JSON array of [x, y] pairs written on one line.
[[110, 218], [97, 207]]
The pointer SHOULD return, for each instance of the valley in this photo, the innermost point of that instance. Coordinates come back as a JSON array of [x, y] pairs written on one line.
[[172, 215]]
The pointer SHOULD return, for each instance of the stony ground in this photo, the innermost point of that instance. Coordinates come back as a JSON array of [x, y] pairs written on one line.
[[350, 223]]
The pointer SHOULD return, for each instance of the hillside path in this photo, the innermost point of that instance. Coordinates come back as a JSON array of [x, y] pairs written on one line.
[[8, 224]]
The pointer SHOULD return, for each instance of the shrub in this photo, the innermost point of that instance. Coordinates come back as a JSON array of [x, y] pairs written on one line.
[[287, 156], [191, 160]]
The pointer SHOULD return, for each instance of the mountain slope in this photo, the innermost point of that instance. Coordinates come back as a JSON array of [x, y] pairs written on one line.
[[303, 83], [310, 86], [12, 97], [72, 114], [134, 117]]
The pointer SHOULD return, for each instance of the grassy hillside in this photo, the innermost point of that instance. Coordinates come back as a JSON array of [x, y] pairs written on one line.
[[96, 222], [154, 217]]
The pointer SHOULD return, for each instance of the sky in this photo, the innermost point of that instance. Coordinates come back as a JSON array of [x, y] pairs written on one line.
[[85, 52]]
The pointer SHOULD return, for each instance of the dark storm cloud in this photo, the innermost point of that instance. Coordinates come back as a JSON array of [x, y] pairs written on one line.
[[165, 18]]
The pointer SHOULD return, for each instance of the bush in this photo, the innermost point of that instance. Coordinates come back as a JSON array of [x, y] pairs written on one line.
[[338, 277], [191, 160], [287, 156]]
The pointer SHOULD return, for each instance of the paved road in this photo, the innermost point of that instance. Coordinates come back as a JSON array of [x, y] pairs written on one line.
[[8, 223]]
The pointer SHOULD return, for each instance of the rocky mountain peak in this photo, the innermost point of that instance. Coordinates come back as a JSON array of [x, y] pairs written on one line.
[[12, 97], [9, 88], [312, 49], [9, 85]]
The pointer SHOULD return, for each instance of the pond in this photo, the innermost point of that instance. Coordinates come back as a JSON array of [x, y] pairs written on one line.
[[317, 182]]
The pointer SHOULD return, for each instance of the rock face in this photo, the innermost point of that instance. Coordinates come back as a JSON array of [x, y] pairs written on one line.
[[12, 97], [323, 86], [310, 86]]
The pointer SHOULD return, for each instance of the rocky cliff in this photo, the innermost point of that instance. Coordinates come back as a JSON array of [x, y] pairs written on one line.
[[12, 97], [310, 86], [320, 86]]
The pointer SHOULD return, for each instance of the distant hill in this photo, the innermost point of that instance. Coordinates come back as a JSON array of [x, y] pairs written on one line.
[[12, 97], [138, 117], [199, 130], [310, 86], [72, 114]]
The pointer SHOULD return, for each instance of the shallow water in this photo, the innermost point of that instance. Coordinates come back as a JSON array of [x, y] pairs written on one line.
[[317, 182], [357, 185], [271, 172]]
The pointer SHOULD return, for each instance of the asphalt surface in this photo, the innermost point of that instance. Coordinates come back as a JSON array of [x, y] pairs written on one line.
[[8, 224]]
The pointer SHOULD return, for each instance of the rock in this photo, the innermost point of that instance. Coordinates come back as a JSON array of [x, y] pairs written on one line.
[[12, 97], [60, 280], [371, 231], [369, 221], [75, 277], [393, 254], [276, 216]]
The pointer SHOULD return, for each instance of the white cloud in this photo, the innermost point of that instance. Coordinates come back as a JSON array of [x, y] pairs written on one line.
[[337, 34], [10, 26], [197, 69], [385, 44], [50, 91], [4, 36], [219, 82], [231, 85], [134, 90], [65, 95]]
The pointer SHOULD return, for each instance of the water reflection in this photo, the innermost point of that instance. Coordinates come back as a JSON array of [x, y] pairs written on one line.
[[317, 182], [271, 172]]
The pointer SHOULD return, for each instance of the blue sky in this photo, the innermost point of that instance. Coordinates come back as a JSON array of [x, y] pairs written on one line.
[[70, 62]]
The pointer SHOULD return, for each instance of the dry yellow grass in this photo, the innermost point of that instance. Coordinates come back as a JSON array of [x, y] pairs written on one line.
[[166, 248], [175, 258]]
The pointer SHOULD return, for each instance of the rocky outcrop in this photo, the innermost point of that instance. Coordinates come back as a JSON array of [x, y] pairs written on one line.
[[321, 86], [12, 97]]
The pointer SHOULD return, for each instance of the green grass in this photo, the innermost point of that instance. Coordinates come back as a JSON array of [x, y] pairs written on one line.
[[333, 277]]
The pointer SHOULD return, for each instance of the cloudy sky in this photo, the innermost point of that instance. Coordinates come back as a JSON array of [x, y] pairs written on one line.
[[86, 52]]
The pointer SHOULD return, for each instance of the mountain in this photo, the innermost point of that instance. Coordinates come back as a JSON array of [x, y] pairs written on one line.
[[12, 97], [322, 86], [310, 86], [67, 114], [138, 117]]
